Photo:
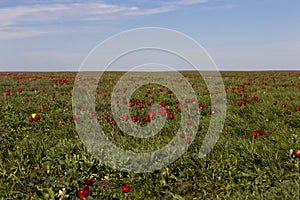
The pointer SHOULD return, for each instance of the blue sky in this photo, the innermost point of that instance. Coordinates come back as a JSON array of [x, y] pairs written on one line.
[[47, 35]]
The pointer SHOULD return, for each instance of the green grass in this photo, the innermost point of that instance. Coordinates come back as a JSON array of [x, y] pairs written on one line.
[[47, 160]]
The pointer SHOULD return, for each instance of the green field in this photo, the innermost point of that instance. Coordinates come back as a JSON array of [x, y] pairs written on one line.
[[46, 159]]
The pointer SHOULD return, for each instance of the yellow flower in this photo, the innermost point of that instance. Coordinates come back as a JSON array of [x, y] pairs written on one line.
[[33, 115]]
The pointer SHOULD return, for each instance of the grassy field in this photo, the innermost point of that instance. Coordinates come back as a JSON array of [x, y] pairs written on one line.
[[44, 158]]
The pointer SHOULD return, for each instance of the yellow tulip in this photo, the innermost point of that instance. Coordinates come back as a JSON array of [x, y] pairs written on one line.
[[33, 115]]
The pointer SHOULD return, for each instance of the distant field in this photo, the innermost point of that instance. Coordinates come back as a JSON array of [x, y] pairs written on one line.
[[43, 157]]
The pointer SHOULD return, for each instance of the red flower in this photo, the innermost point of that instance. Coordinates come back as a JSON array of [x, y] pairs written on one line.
[[189, 122], [132, 103], [284, 104], [275, 103], [297, 108], [177, 101], [260, 132], [147, 118], [239, 104], [114, 122], [73, 117], [125, 188], [85, 190], [20, 90], [39, 110], [171, 115], [297, 153], [134, 118], [105, 116], [8, 92], [148, 103], [125, 117], [36, 118], [151, 113], [286, 121], [182, 135], [288, 112], [88, 181], [201, 106], [187, 140], [80, 194], [254, 134], [30, 119], [92, 115], [163, 112]]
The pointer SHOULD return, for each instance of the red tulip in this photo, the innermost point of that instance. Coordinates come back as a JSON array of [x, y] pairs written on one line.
[[151, 113], [239, 104], [182, 135], [254, 134], [187, 140], [8, 92], [125, 188], [125, 117], [88, 181], [201, 106], [147, 118], [297, 153], [171, 115], [80, 194], [260, 132], [134, 118], [189, 122]]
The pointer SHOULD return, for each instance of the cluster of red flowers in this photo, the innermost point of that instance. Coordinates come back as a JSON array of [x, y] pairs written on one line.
[[84, 192], [255, 133]]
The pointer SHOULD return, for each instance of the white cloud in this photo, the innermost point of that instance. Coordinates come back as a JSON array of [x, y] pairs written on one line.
[[150, 11], [189, 2], [40, 13]]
